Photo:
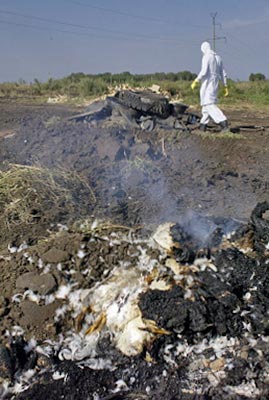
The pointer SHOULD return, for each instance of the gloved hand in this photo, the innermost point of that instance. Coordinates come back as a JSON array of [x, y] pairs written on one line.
[[194, 84], [226, 91]]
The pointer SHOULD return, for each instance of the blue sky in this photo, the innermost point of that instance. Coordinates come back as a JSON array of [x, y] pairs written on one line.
[[53, 38]]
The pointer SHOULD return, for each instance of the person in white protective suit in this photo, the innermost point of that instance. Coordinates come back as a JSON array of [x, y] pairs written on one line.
[[211, 73]]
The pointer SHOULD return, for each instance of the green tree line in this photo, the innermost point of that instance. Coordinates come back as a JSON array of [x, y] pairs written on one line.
[[176, 84], [86, 85]]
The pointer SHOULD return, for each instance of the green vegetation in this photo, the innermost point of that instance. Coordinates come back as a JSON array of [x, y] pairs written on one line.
[[257, 77], [77, 86], [253, 93]]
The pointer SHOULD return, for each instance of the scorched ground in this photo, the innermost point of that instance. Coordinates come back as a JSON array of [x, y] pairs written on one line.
[[93, 306]]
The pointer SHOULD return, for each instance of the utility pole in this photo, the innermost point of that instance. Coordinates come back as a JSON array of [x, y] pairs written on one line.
[[215, 37], [213, 16]]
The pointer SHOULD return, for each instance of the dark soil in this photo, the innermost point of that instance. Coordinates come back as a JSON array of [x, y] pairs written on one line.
[[135, 178], [213, 342]]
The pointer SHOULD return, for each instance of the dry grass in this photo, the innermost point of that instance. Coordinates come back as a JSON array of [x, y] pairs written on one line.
[[29, 194], [220, 135]]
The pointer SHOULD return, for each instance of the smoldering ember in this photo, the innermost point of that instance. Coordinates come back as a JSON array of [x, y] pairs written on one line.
[[134, 252]]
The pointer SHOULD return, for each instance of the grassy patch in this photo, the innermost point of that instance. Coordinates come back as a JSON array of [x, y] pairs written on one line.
[[31, 195], [139, 164], [219, 135]]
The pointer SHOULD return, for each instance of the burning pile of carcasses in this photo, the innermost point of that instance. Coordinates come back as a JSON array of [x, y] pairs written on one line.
[[180, 315], [141, 110]]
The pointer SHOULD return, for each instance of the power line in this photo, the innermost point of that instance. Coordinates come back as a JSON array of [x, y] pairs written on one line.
[[41, 28], [118, 12], [242, 43], [89, 27], [130, 15]]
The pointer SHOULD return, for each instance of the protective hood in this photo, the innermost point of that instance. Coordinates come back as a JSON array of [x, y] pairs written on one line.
[[205, 47]]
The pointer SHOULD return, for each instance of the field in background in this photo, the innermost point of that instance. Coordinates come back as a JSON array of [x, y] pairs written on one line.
[[79, 86]]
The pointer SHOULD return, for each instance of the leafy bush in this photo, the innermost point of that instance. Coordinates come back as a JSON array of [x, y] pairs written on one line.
[[257, 77], [92, 87]]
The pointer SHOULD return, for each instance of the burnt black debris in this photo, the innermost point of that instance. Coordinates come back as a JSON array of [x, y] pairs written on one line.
[[197, 235], [146, 102], [6, 363], [217, 346], [141, 110], [259, 223], [208, 313], [240, 282]]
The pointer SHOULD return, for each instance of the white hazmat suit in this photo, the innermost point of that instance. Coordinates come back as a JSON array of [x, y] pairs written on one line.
[[212, 71]]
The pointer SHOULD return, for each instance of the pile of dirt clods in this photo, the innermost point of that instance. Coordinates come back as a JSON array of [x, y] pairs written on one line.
[[99, 311]]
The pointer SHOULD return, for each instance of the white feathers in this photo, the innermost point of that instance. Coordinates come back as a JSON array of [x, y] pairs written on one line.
[[111, 308], [78, 346], [63, 291], [134, 336], [244, 389], [65, 354], [98, 364], [204, 263], [15, 249], [163, 237], [49, 299], [16, 298], [62, 228], [12, 249], [28, 294], [60, 313], [17, 331], [47, 268], [59, 375], [30, 346], [24, 381], [120, 385], [247, 296], [4, 389], [81, 254]]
